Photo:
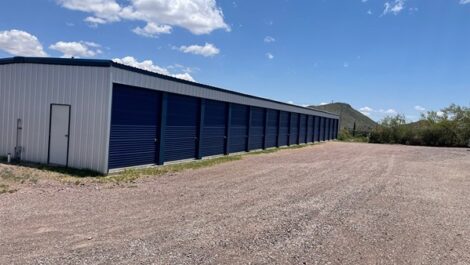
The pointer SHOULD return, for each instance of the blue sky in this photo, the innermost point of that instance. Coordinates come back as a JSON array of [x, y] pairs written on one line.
[[381, 56]]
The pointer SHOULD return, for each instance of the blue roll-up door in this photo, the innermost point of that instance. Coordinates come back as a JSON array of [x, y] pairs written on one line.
[[213, 131], [294, 128], [303, 128], [135, 116], [310, 127], [322, 129], [316, 128], [238, 128], [329, 129], [336, 129], [330, 135], [271, 136], [257, 128], [284, 128], [181, 128]]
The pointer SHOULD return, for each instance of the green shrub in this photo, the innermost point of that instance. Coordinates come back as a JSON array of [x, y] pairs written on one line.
[[449, 127]]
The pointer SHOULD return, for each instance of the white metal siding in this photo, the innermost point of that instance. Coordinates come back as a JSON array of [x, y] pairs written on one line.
[[26, 92], [130, 78]]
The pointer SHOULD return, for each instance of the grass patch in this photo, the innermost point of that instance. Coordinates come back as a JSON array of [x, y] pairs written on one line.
[[358, 139], [4, 188], [274, 149], [133, 174], [80, 177], [78, 173], [9, 176]]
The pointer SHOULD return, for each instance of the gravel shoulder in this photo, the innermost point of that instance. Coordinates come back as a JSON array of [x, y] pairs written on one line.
[[333, 203]]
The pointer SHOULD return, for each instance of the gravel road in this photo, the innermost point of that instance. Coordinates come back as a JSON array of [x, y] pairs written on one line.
[[334, 203]]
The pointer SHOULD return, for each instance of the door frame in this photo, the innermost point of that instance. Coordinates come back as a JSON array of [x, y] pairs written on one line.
[[68, 129]]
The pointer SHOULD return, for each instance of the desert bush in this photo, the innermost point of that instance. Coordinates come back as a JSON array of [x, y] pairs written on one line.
[[448, 127], [346, 135]]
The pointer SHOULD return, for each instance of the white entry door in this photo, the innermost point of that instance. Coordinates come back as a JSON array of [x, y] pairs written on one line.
[[59, 134]]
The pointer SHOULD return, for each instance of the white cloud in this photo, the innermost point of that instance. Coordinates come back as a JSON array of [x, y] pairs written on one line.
[[369, 12], [323, 103], [152, 30], [420, 108], [76, 49], [269, 39], [440, 113], [20, 43], [345, 64], [369, 111], [95, 21], [150, 66], [104, 11], [290, 102], [464, 2], [269, 55], [393, 7], [185, 76], [390, 111], [366, 110], [197, 16], [208, 50]]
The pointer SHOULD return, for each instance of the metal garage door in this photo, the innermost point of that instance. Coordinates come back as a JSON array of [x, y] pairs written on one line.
[[336, 128], [316, 129], [271, 135], [294, 128], [181, 128], [310, 129], [329, 122], [327, 129], [257, 128], [135, 118], [284, 128], [322, 129], [330, 128], [303, 129], [213, 131], [238, 128]]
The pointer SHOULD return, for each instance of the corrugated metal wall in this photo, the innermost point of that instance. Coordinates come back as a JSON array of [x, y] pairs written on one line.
[[26, 92]]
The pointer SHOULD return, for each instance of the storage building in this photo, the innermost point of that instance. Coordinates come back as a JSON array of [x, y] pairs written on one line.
[[102, 116]]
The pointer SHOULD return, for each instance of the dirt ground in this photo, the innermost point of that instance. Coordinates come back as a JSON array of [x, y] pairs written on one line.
[[334, 203]]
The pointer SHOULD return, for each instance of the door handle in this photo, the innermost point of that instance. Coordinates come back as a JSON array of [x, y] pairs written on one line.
[[67, 136]]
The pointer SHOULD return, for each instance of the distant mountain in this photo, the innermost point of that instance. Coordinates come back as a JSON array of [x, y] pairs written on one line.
[[348, 115]]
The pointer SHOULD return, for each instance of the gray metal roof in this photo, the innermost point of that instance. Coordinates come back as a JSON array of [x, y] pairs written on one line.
[[234, 96]]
